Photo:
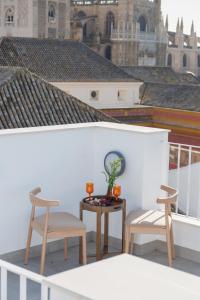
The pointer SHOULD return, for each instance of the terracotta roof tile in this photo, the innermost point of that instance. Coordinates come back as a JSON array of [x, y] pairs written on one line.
[[28, 101]]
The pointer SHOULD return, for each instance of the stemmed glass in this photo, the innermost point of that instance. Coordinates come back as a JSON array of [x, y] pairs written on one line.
[[117, 191], [89, 188]]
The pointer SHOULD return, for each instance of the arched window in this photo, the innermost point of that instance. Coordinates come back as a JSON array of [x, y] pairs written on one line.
[[198, 60], [9, 16], [169, 60], [108, 52], [184, 60], [52, 13], [110, 22], [143, 23]]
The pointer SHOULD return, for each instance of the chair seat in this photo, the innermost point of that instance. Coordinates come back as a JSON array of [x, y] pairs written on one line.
[[146, 218], [58, 222]]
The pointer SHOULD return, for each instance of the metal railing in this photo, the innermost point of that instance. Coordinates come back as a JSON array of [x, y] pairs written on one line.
[[24, 276], [184, 174]]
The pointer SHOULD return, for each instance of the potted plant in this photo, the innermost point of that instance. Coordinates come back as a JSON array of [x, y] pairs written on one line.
[[112, 175]]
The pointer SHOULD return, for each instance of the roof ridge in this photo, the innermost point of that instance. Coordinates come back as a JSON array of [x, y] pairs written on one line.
[[173, 84], [111, 63]]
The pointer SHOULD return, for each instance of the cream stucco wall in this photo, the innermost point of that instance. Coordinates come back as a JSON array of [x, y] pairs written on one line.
[[30, 18], [109, 94], [177, 59]]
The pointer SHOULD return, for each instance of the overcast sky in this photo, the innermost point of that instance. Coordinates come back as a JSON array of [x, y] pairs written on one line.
[[188, 9]]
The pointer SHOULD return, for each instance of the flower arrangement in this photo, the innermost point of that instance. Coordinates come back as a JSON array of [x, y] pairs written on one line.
[[112, 175]]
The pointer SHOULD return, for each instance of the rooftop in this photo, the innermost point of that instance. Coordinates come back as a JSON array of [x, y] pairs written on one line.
[[59, 60], [175, 96], [61, 159], [26, 100], [160, 75]]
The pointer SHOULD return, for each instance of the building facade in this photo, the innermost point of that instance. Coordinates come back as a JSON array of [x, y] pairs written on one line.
[[35, 18], [132, 32], [128, 32], [183, 51]]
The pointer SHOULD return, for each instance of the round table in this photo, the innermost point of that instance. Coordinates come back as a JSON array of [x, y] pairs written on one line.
[[116, 205]]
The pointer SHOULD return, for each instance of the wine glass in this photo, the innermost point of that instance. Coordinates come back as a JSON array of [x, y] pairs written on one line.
[[89, 188], [117, 191]]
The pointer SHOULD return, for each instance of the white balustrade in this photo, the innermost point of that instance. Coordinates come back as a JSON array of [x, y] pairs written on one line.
[[24, 276], [184, 174]]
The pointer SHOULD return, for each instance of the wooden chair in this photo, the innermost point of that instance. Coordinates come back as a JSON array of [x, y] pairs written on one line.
[[53, 225], [153, 222]]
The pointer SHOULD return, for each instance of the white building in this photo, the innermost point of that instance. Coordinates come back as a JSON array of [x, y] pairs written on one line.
[[75, 69]]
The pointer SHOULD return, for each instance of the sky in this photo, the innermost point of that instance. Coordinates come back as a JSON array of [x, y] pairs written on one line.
[[188, 9]]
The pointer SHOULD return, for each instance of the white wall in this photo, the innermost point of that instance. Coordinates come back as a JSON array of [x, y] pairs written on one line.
[[108, 93], [61, 159], [146, 153]]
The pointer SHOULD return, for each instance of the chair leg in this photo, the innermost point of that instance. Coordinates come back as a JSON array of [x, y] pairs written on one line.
[[65, 249], [43, 254], [132, 244], [84, 252], [169, 247], [172, 242], [127, 238], [28, 244]]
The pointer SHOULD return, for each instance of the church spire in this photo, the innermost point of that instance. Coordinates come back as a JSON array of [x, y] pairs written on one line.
[[181, 27], [167, 23], [177, 26], [192, 28]]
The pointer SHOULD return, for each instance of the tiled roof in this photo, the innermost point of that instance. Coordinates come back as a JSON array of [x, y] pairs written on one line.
[[28, 101], [59, 60], [177, 96], [160, 75]]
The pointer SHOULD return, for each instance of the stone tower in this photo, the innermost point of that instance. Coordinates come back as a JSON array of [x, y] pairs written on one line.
[[35, 18], [141, 37], [124, 50]]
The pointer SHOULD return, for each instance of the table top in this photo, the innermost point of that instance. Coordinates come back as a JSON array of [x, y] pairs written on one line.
[[115, 205], [133, 278]]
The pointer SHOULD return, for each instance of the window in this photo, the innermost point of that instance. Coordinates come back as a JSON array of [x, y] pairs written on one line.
[[143, 23], [110, 22], [108, 52], [184, 60], [169, 60], [52, 13], [94, 95], [81, 14], [198, 61], [9, 16]]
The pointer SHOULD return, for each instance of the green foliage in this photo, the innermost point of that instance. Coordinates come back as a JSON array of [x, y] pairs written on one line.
[[111, 178]]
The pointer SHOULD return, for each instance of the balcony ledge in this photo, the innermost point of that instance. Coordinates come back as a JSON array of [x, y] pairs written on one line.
[[106, 125]]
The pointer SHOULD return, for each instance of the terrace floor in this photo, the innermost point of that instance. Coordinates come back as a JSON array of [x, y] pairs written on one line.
[[55, 263]]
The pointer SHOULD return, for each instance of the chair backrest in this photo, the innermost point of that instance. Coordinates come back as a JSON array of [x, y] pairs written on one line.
[[168, 201], [41, 202], [171, 198]]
